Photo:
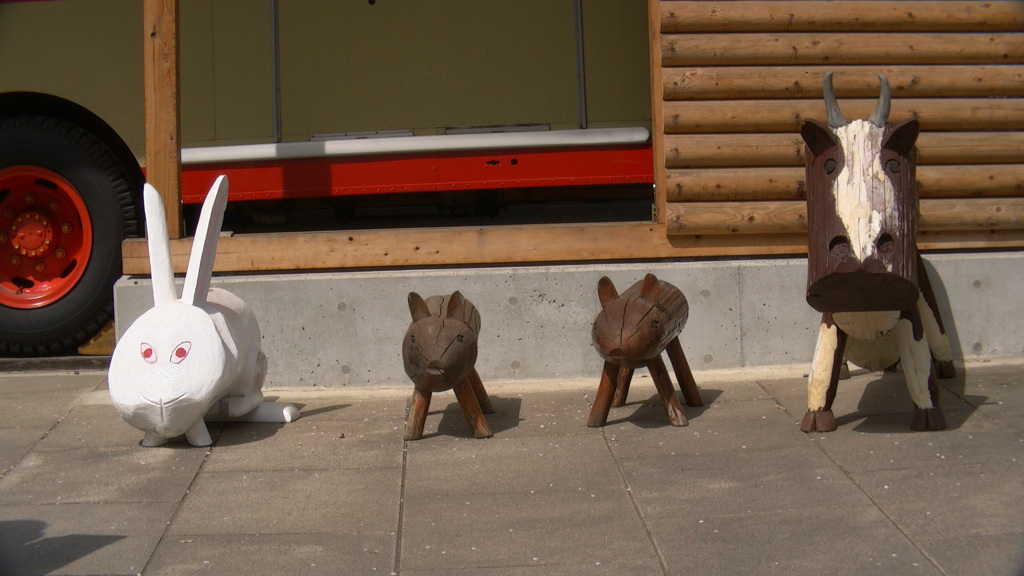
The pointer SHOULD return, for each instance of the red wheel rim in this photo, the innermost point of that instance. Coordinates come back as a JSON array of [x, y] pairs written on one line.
[[45, 237]]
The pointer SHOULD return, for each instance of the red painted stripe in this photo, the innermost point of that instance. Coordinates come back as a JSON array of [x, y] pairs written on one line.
[[347, 176]]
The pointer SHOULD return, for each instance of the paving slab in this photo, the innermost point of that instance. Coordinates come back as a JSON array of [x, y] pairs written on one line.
[[510, 465], [293, 554], [109, 538], [325, 501], [835, 540], [572, 526], [739, 491]]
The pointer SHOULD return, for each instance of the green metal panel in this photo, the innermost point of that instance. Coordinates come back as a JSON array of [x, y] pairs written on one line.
[[87, 51], [426, 65], [226, 60], [352, 66], [617, 63]]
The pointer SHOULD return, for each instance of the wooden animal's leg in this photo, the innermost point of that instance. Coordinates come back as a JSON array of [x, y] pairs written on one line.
[[916, 359], [471, 409], [824, 378], [603, 400], [687, 385], [418, 408], [481, 393], [934, 329], [623, 378], [198, 435], [659, 373]]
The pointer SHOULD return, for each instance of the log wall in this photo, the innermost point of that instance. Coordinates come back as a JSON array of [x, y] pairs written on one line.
[[733, 82]]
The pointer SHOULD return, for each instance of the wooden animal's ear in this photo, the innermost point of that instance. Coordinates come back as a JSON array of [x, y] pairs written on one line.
[[159, 247], [902, 138], [606, 291], [650, 289], [456, 304], [204, 245], [818, 136], [417, 307]]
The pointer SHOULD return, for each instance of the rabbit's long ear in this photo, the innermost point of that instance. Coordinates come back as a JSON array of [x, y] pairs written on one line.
[[159, 247], [204, 247]]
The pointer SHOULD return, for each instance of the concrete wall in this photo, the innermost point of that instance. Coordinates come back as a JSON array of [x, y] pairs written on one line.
[[345, 328]]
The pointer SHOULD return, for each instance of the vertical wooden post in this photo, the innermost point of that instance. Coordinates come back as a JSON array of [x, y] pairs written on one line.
[[657, 110], [163, 127]]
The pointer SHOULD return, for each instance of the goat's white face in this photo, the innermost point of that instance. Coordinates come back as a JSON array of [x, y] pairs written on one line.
[[860, 179]]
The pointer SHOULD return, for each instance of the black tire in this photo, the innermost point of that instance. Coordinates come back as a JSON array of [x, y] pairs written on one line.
[[105, 187]]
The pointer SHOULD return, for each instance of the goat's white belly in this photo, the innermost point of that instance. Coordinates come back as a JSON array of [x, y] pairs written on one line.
[[870, 344]]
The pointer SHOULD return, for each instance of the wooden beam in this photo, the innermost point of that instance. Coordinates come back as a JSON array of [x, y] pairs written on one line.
[[163, 126], [657, 114], [418, 248], [754, 82], [841, 16], [817, 48]]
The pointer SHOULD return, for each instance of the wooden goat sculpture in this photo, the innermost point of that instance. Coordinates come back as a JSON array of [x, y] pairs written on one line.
[[864, 270]]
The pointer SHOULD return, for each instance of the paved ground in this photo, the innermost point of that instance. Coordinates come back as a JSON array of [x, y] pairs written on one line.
[[739, 491]]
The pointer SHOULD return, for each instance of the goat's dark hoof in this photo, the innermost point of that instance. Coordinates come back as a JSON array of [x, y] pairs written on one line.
[[818, 421], [946, 369], [928, 419]]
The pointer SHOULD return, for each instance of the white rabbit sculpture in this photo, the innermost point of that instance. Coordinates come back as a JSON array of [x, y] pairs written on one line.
[[195, 357]]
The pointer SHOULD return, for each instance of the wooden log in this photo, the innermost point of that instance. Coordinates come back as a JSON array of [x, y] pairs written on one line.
[[787, 183], [789, 217], [706, 218], [737, 150], [734, 184], [840, 16], [954, 181], [755, 82], [946, 114], [733, 150], [842, 48], [972, 214]]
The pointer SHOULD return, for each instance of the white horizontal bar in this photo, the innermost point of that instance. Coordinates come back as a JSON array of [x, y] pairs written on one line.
[[414, 144]]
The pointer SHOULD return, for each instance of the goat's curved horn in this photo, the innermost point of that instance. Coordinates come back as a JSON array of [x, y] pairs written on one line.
[[881, 114], [835, 116]]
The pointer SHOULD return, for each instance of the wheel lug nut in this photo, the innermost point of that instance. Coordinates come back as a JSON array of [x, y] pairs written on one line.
[[65, 227], [60, 253], [40, 267], [15, 260], [3, 237], [8, 212], [54, 205], [30, 199]]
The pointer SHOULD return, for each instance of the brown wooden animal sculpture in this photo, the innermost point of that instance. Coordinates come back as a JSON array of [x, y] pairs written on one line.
[[864, 272], [631, 332], [439, 352]]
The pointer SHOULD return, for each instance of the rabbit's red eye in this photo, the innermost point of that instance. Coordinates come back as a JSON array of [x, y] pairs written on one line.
[[148, 354], [181, 352]]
